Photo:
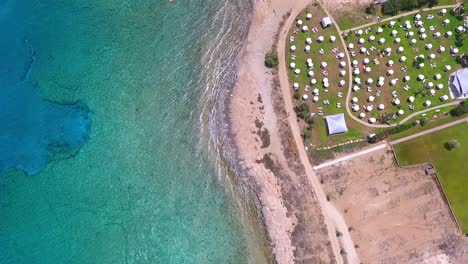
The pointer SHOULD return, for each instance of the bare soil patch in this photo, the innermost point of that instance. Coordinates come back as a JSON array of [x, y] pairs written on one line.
[[394, 215]]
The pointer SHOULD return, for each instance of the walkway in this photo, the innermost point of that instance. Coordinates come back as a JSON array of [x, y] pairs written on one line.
[[350, 70], [429, 131], [381, 146], [345, 158], [400, 15]]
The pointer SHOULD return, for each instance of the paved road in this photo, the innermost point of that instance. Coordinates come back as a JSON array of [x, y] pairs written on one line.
[[400, 15], [354, 155], [429, 131]]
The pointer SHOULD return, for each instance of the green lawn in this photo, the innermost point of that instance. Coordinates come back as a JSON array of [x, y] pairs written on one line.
[[319, 132], [435, 118], [353, 17], [430, 69], [449, 164]]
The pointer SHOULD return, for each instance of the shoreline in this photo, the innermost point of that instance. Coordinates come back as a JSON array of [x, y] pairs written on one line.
[[286, 204]]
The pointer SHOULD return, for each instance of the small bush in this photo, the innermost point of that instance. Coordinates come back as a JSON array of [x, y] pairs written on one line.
[[302, 110], [271, 59], [371, 10], [453, 144], [297, 95], [377, 138], [306, 133], [423, 121], [310, 120], [460, 110], [400, 128], [391, 8]]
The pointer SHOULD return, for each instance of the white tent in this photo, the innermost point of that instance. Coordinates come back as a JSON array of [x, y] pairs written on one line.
[[326, 22], [336, 124], [459, 83]]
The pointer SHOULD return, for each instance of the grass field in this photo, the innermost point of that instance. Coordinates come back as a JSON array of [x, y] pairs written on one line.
[[449, 164], [379, 60], [435, 118], [350, 17], [332, 72]]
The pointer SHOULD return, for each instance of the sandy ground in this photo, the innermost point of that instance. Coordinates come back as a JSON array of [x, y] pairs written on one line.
[[333, 5], [291, 214], [395, 215]]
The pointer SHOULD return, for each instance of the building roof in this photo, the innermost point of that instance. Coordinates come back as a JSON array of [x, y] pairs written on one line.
[[336, 124], [460, 82]]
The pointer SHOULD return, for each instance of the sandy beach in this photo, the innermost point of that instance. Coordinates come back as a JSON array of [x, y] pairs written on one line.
[[290, 210], [301, 223]]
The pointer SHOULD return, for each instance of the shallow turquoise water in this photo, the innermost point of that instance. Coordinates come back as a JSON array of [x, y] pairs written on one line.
[[145, 187]]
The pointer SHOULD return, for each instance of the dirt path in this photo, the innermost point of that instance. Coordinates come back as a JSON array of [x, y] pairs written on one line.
[[348, 157], [400, 15], [333, 218], [429, 131]]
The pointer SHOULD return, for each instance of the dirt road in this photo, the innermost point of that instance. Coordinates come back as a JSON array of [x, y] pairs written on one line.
[[333, 218]]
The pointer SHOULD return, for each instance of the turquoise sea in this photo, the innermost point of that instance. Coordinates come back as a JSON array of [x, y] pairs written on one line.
[[107, 124]]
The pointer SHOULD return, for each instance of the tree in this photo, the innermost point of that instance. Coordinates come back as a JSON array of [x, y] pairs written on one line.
[[453, 144], [271, 59], [391, 7]]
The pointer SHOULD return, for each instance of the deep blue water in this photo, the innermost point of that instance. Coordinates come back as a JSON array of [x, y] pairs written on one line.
[[31, 127]]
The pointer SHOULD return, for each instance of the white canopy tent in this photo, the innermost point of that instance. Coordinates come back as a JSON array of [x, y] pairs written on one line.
[[336, 124]]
